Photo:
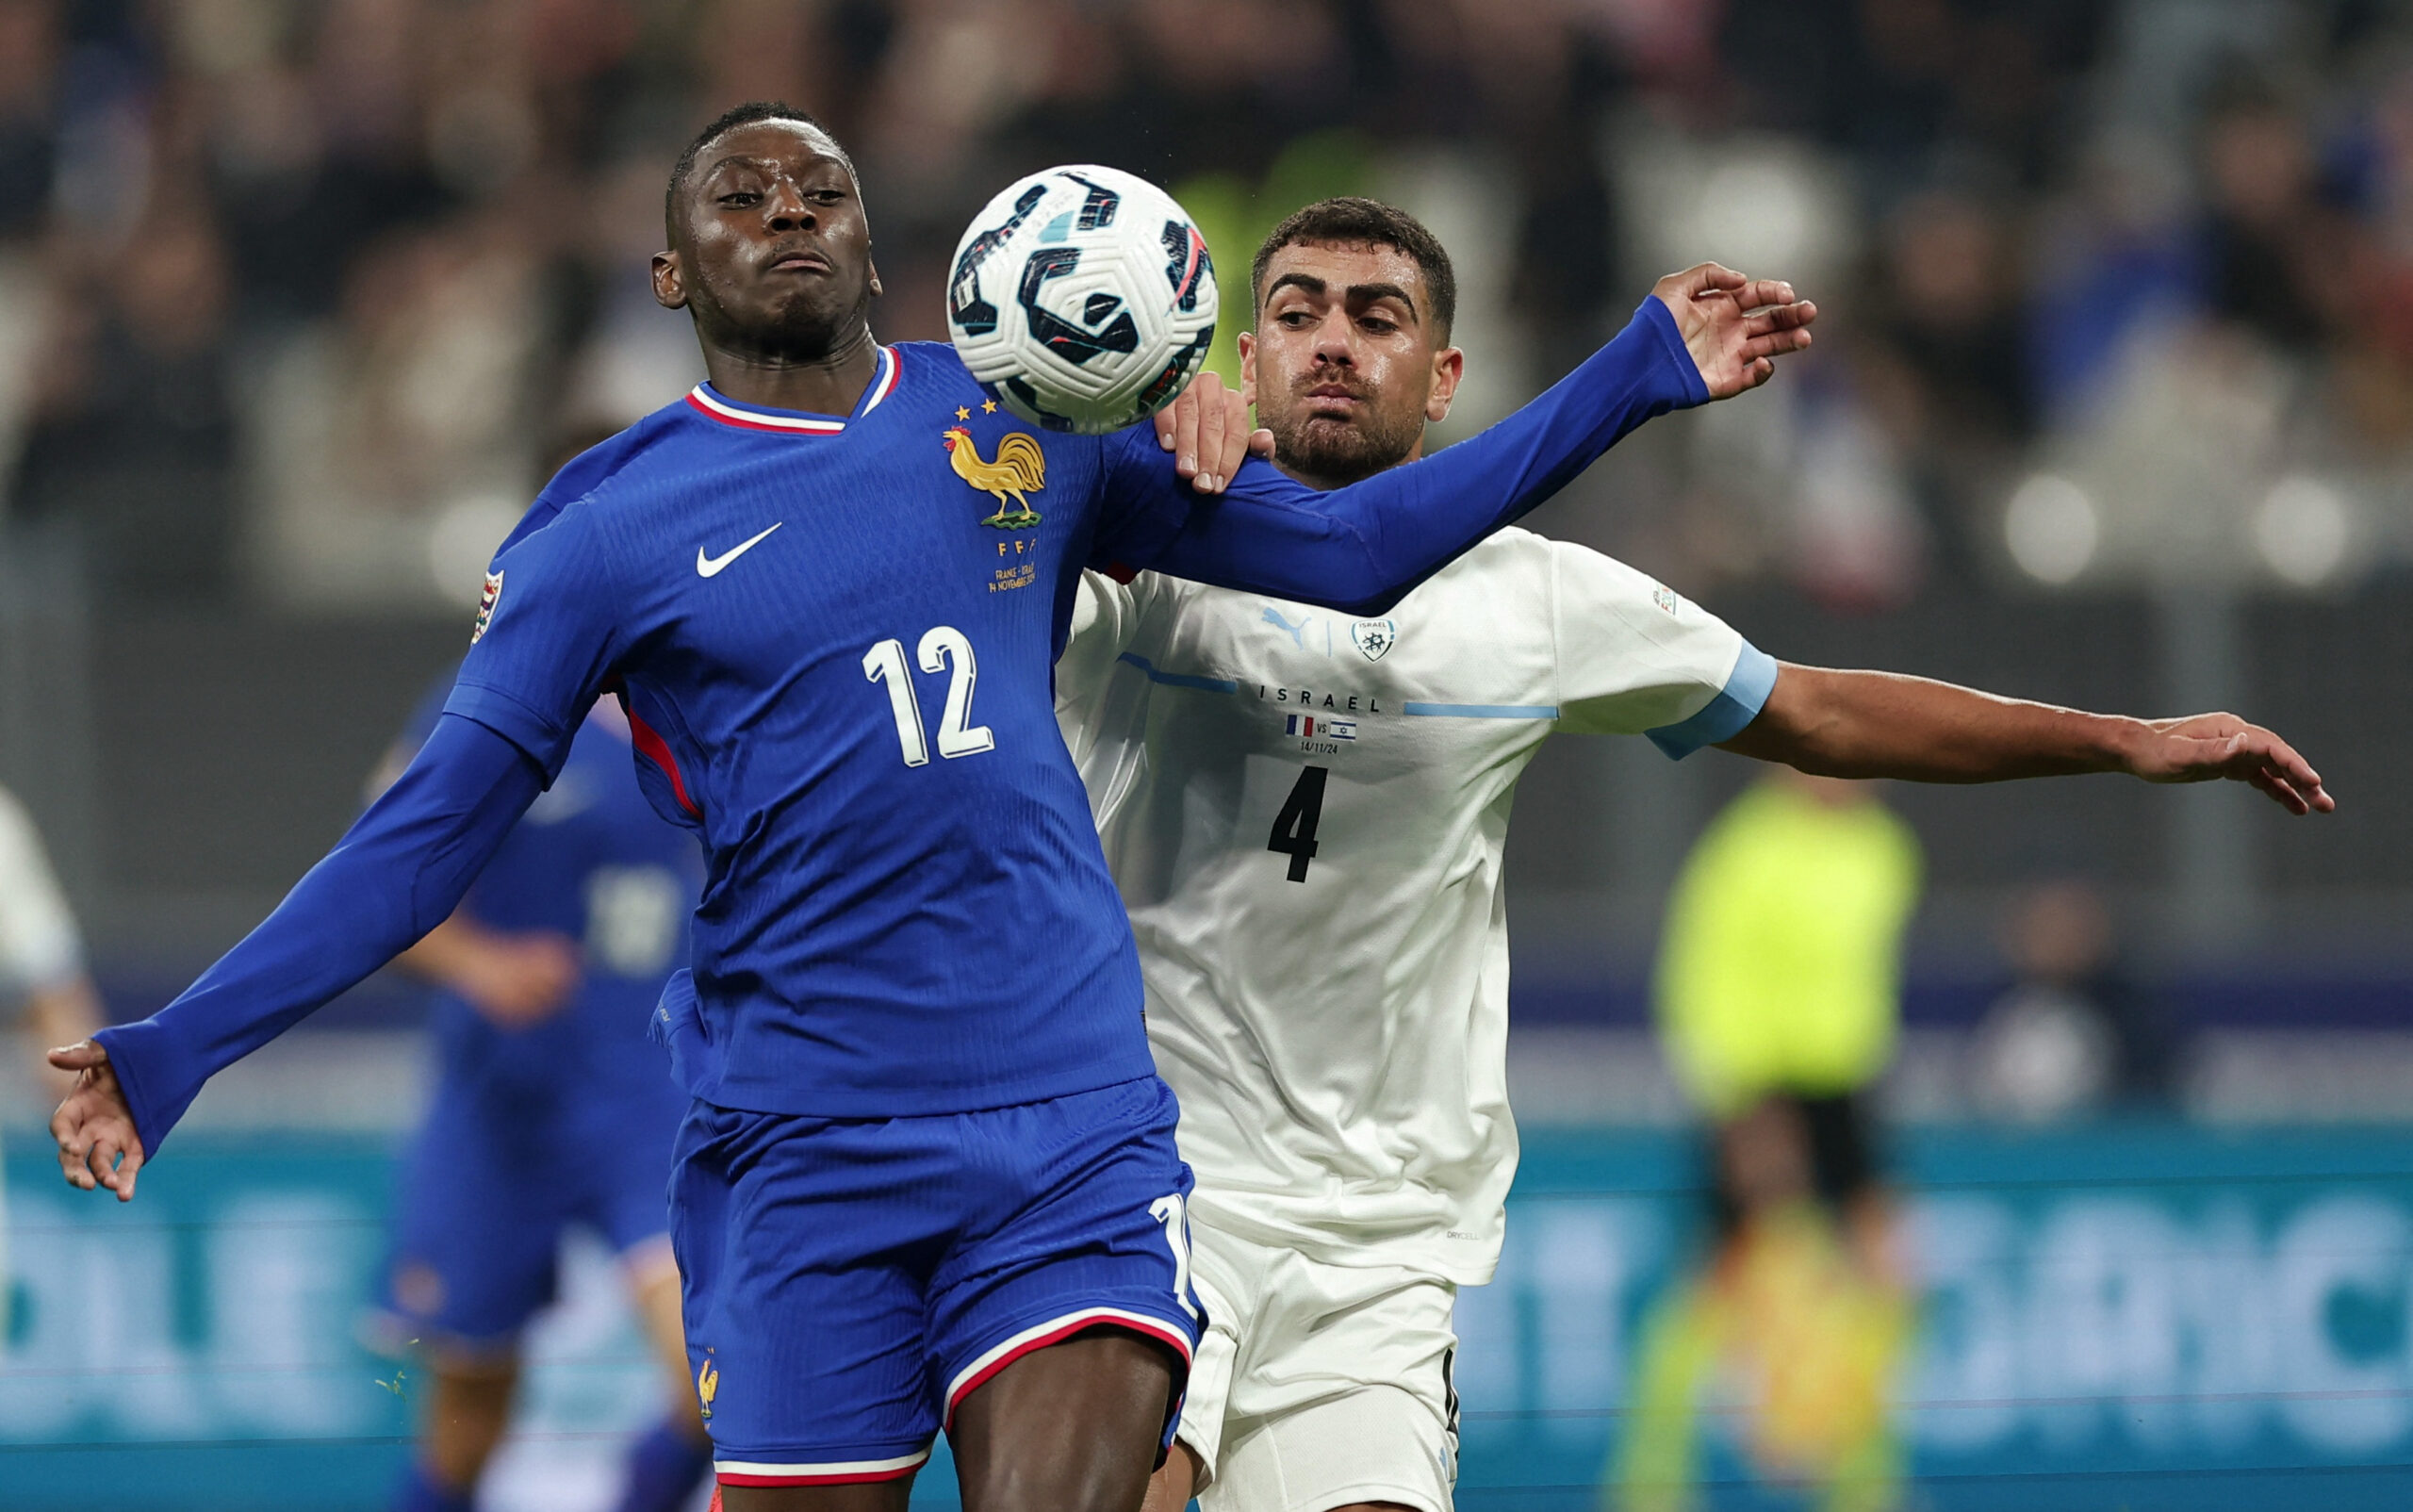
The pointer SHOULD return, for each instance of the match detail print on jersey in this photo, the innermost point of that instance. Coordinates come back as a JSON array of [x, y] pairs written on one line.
[[709, 567], [943, 647]]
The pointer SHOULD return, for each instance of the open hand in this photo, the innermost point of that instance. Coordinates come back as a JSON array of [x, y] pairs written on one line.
[[1735, 327], [94, 1127], [2207, 747], [1207, 432]]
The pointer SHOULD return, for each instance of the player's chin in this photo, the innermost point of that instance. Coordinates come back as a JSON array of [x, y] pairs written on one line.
[[1329, 446], [805, 306]]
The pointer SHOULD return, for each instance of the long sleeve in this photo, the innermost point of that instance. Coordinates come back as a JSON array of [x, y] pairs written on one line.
[[394, 876], [1362, 546]]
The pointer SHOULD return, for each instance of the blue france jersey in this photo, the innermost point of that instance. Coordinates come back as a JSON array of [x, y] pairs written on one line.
[[835, 639], [589, 860]]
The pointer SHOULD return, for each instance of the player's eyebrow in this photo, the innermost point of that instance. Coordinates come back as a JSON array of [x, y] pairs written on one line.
[[1367, 294], [771, 165], [1355, 293]]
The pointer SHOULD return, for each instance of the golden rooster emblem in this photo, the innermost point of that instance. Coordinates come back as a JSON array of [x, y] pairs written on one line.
[[1021, 468], [707, 1388]]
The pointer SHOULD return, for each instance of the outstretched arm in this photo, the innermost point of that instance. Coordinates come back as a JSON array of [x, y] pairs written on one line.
[[400, 871], [1882, 724], [1704, 334]]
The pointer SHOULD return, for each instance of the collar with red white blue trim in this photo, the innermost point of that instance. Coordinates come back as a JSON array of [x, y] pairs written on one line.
[[715, 406]]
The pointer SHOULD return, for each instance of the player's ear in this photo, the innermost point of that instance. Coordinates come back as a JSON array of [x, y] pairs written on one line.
[[875, 278], [1449, 367], [1248, 367], [670, 281]]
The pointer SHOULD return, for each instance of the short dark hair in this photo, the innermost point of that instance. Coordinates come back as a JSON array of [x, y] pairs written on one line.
[[753, 112], [1352, 221]]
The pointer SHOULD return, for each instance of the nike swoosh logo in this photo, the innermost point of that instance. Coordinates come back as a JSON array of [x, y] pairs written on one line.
[[707, 566]]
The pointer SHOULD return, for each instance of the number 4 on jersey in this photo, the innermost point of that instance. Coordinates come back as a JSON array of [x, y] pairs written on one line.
[[1294, 828]]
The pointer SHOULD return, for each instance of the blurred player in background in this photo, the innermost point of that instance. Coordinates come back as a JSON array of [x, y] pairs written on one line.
[[1306, 814], [41, 971], [1779, 996], [553, 1108]]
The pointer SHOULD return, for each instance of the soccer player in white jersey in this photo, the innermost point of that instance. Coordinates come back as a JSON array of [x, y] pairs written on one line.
[[1306, 814]]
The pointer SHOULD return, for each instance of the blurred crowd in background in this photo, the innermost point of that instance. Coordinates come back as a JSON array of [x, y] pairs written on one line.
[[297, 290], [2112, 400]]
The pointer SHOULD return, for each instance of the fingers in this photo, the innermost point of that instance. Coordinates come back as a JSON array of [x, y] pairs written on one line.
[[1704, 278], [72, 1149], [1781, 317], [1776, 344], [1759, 293], [1184, 427], [101, 1160], [1214, 421], [2279, 791], [2277, 769], [1260, 443], [126, 1169], [81, 1056]]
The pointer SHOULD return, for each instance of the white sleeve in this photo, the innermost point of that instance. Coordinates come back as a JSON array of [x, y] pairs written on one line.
[[1105, 616], [1635, 658], [39, 948]]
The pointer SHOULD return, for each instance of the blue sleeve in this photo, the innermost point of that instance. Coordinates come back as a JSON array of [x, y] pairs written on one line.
[[1362, 546], [397, 874], [547, 638], [1723, 717]]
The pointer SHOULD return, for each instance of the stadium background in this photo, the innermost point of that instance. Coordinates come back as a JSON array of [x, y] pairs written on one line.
[[2112, 404]]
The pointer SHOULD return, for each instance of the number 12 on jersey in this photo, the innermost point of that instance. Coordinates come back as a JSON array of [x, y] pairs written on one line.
[[1294, 828], [942, 646]]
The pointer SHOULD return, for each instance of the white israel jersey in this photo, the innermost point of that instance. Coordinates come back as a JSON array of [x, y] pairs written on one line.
[[1306, 814]]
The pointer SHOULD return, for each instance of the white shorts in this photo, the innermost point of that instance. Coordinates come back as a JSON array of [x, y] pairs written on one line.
[[1319, 1386]]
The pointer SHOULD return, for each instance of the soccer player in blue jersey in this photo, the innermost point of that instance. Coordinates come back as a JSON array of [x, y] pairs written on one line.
[[928, 1179], [551, 1108]]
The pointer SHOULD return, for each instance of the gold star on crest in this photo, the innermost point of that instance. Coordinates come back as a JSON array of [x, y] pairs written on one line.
[[988, 406], [962, 414]]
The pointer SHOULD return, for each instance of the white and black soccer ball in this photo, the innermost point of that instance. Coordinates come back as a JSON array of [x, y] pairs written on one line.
[[1084, 298]]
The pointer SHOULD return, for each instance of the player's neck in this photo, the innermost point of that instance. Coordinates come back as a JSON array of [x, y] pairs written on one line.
[[826, 382]]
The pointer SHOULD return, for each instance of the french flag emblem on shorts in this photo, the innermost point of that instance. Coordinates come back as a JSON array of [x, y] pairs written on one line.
[[1307, 726]]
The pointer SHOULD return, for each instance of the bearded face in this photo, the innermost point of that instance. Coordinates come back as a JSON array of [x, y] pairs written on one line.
[[1345, 368]]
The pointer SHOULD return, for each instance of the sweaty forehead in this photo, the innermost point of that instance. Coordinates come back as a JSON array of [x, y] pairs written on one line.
[[791, 144], [1340, 266]]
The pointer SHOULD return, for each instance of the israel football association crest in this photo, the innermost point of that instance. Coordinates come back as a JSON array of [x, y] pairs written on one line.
[[1373, 636]]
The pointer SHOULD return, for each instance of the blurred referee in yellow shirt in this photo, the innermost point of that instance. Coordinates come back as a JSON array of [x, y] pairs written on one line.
[[1779, 999]]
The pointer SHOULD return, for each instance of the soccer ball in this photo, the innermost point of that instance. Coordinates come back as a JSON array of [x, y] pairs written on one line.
[[1083, 298]]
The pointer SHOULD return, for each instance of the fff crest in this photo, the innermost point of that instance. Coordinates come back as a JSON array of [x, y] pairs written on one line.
[[1020, 470]]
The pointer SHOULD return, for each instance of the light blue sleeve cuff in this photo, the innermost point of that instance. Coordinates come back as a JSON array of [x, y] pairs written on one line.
[[1723, 717]]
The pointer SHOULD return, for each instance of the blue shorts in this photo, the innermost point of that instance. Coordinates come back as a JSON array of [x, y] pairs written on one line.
[[490, 1185], [851, 1281]]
